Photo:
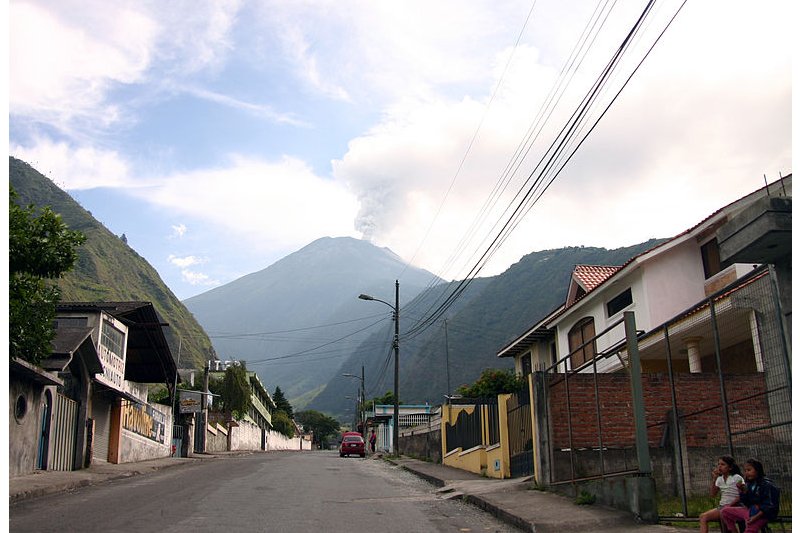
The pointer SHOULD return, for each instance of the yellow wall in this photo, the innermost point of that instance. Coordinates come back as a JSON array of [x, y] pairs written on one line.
[[472, 460]]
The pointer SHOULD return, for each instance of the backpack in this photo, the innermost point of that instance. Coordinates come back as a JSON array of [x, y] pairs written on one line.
[[772, 495]]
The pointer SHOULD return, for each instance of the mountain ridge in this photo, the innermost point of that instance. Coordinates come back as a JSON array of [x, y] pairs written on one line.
[[108, 269]]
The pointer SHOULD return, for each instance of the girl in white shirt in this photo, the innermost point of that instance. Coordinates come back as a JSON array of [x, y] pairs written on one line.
[[725, 479]]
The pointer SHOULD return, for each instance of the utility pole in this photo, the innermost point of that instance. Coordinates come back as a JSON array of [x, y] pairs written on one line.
[[396, 345], [361, 407], [204, 403], [396, 435], [447, 356]]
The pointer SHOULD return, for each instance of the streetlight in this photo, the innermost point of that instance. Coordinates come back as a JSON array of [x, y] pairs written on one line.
[[396, 345], [361, 401]]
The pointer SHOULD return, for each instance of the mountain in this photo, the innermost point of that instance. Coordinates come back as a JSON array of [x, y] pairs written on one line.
[[490, 313], [295, 321], [109, 270]]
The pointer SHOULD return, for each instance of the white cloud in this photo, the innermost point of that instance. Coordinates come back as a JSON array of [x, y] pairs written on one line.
[[61, 67], [66, 57], [71, 167], [187, 261], [682, 141], [179, 230], [198, 278], [280, 203], [259, 110], [190, 276]]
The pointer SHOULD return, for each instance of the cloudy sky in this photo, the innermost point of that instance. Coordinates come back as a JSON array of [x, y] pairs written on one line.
[[222, 136]]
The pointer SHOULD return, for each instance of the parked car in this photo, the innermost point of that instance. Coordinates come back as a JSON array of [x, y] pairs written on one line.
[[352, 443]]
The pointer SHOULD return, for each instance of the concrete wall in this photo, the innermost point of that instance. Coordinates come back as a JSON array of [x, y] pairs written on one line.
[[423, 444], [246, 436], [472, 460], [135, 447], [216, 438], [278, 441], [23, 435]]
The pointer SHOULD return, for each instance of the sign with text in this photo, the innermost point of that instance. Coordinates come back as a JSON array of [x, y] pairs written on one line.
[[145, 421], [190, 402]]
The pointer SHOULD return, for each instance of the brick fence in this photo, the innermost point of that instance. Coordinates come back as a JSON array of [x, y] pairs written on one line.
[[698, 400]]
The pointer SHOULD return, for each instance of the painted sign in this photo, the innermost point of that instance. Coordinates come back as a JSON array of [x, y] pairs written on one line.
[[190, 402], [145, 421]]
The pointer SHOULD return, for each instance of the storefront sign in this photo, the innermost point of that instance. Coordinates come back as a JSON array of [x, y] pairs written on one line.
[[145, 421], [190, 402]]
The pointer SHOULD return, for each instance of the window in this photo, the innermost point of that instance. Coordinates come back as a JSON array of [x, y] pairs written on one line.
[[619, 302], [113, 339], [581, 333], [71, 321], [710, 253], [526, 364]]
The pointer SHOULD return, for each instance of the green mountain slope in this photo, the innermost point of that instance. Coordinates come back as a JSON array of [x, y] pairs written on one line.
[[491, 312], [109, 270]]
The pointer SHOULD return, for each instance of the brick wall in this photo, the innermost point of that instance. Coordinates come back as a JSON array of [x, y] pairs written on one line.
[[698, 399]]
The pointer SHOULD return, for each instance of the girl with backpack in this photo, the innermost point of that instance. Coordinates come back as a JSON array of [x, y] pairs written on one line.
[[760, 497]]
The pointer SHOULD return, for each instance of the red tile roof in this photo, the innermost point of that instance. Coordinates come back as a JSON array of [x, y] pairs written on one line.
[[590, 276]]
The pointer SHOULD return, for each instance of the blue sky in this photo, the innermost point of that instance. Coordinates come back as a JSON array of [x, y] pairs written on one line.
[[222, 136]]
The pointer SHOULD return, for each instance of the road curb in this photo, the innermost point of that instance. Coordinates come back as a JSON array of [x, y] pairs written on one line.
[[500, 513]]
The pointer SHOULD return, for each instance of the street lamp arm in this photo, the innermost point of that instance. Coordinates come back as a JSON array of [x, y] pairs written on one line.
[[371, 299]]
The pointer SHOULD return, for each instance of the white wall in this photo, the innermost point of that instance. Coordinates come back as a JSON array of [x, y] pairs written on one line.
[[278, 441], [245, 436], [673, 282]]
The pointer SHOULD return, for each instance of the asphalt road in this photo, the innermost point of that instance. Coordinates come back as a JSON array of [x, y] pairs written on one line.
[[275, 492]]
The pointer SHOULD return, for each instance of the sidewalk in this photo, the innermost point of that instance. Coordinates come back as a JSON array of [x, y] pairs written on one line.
[[512, 501], [45, 482]]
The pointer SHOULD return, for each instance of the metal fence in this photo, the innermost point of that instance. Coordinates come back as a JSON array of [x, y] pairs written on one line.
[[714, 381], [588, 411], [467, 431], [727, 369], [520, 433]]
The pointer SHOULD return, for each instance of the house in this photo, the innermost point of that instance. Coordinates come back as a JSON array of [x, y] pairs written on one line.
[[87, 402], [682, 354], [255, 428], [658, 285], [121, 425], [381, 419]]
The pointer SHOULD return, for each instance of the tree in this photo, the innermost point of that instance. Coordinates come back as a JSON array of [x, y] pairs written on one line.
[[281, 403], [40, 247], [282, 423], [322, 425], [235, 390], [493, 382]]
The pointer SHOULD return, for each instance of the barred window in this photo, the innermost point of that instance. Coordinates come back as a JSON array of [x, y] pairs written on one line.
[[113, 339]]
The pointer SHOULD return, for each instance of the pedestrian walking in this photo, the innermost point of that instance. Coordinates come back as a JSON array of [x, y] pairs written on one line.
[[372, 440]]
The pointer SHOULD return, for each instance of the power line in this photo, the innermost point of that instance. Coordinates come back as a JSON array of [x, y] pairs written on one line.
[[551, 157]]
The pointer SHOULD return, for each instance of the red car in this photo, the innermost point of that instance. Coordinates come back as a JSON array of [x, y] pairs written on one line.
[[352, 443]]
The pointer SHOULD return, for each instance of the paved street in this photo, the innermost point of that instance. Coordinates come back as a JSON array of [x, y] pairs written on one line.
[[281, 491]]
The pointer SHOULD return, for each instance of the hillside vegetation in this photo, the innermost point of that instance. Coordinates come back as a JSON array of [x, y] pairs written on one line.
[[109, 270]]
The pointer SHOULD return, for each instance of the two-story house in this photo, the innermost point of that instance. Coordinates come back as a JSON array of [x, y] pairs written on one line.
[[133, 352], [657, 285]]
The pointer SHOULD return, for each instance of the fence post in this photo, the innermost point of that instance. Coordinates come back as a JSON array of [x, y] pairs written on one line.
[[642, 449], [644, 493], [541, 439]]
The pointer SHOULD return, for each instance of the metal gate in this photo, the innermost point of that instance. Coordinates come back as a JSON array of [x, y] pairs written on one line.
[[520, 434], [63, 433], [199, 433], [177, 441]]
